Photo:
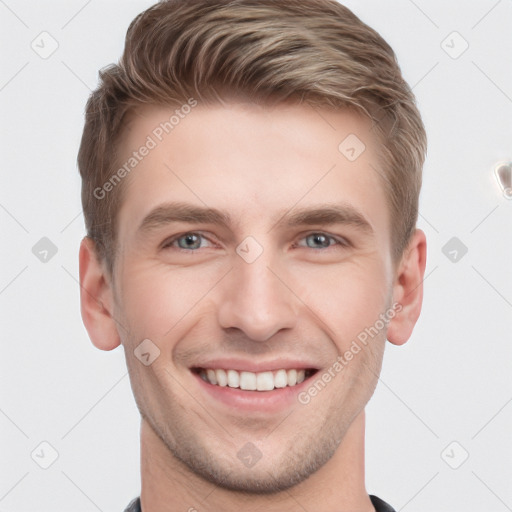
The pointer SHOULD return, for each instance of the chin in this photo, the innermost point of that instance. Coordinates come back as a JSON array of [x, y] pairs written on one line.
[[267, 475]]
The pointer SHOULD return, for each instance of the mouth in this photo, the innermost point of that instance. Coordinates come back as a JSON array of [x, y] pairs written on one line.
[[240, 386], [264, 381]]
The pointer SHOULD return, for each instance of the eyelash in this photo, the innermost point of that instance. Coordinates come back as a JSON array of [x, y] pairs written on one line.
[[340, 241]]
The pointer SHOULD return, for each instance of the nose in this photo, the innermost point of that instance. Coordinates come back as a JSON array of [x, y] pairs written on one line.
[[256, 300]]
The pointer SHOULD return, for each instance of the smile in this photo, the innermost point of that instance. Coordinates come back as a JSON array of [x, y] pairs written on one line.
[[249, 381]]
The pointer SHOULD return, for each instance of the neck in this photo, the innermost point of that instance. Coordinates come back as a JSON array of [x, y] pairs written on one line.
[[168, 485]]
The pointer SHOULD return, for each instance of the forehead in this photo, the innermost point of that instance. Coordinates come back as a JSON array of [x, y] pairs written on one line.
[[249, 160]]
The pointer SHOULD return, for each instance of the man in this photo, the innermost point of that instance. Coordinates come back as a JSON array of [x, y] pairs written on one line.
[[251, 172]]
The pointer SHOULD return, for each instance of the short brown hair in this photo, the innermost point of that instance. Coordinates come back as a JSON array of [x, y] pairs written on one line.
[[314, 51]]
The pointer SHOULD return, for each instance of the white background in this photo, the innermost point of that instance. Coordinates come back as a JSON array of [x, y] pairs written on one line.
[[451, 382]]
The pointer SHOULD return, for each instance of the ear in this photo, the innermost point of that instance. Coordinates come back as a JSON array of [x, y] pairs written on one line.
[[408, 289], [96, 298]]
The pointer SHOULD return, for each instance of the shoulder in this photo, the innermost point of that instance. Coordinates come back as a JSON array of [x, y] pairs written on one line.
[[381, 505], [134, 505]]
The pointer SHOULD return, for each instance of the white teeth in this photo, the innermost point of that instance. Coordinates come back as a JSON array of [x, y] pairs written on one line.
[[249, 381], [265, 381], [222, 378], [292, 377], [280, 379], [233, 379], [211, 376]]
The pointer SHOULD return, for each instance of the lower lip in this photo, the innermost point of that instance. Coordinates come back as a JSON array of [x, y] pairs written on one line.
[[260, 401]]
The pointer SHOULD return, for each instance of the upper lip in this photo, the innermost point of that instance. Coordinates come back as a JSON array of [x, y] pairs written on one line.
[[242, 365]]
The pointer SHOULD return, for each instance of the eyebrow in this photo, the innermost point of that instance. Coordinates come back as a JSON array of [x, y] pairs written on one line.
[[182, 212], [326, 214]]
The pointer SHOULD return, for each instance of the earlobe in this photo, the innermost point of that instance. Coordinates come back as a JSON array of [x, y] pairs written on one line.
[[408, 289], [96, 299]]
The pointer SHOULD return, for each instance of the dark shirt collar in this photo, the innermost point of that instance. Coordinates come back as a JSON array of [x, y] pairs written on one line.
[[380, 505]]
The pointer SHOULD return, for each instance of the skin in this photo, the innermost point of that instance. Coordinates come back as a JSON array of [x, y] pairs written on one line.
[[301, 298]]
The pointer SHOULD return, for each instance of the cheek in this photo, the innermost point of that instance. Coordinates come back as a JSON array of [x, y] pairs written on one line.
[[157, 300], [347, 298]]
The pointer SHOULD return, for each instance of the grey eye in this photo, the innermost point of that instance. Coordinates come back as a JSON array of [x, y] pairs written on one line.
[[189, 241], [318, 240]]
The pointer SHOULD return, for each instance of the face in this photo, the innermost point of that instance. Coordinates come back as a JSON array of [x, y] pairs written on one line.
[[253, 254]]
